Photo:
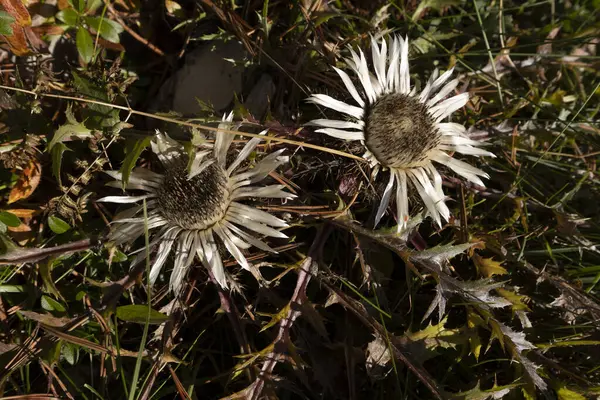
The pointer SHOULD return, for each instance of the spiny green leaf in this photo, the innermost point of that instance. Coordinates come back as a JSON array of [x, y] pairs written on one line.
[[496, 392], [134, 149], [57, 152], [71, 129], [97, 115], [275, 318], [564, 393], [442, 252]]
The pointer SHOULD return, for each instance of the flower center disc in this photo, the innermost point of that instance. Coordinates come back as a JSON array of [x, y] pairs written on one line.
[[197, 203], [399, 131]]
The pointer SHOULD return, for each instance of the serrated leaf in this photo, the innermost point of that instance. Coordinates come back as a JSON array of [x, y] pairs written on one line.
[[99, 115], [70, 130], [424, 343], [85, 44], [275, 318], [57, 152], [497, 392], [519, 302], [6, 22], [442, 252], [473, 322], [139, 314], [109, 30], [49, 304], [69, 16], [57, 225], [9, 219], [27, 183], [134, 149], [563, 393], [488, 267]]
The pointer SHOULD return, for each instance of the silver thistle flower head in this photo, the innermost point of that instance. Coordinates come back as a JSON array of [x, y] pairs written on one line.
[[402, 130], [191, 208]]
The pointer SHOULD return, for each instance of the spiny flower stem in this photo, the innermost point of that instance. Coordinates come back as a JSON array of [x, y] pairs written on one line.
[[281, 341]]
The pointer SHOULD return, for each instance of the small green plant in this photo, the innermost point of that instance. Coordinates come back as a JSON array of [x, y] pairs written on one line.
[[80, 17]]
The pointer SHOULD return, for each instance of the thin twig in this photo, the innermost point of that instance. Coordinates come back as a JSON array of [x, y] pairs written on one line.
[[185, 123], [28, 255], [133, 33]]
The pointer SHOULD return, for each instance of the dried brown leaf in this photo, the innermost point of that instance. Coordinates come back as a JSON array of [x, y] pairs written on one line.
[[27, 182], [17, 10], [46, 319]]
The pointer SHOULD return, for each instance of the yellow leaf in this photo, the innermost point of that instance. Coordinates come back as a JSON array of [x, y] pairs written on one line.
[[565, 394], [473, 322], [275, 318], [519, 301], [487, 267], [27, 182]]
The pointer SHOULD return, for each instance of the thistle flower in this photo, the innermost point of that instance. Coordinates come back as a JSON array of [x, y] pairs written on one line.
[[190, 208], [402, 130]]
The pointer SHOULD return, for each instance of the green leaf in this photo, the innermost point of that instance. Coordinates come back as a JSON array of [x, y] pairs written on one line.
[[9, 219], [13, 289], [46, 275], [70, 352], [134, 149], [78, 5], [69, 17], [564, 393], [57, 153], [96, 115], [71, 129], [93, 5], [57, 225], [3, 227], [49, 304], [139, 314], [85, 44], [6, 21], [119, 256], [108, 29]]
